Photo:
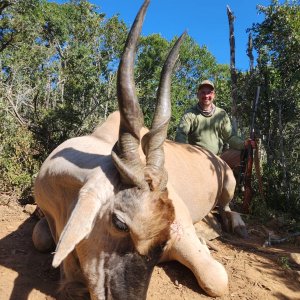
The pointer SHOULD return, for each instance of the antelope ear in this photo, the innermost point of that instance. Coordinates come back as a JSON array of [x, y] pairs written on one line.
[[156, 179], [91, 200]]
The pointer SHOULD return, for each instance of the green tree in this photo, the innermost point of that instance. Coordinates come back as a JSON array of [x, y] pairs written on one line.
[[277, 40], [57, 75], [195, 63]]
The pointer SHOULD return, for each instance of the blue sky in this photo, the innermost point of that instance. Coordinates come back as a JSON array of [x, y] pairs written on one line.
[[205, 21]]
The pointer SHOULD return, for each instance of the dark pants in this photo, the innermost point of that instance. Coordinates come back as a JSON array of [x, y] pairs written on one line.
[[232, 157]]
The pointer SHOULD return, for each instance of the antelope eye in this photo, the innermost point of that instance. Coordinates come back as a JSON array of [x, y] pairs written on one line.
[[121, 226]]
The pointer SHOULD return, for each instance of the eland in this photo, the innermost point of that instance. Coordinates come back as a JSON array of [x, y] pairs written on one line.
[[121, 200]]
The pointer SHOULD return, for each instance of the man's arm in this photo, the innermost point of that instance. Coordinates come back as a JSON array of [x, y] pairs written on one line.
[[183, 129], [230, 137]]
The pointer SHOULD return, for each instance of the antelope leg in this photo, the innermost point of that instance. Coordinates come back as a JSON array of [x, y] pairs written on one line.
[[185, 247]]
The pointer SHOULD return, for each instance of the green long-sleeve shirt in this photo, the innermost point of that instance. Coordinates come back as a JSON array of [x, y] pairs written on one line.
[[210, 132]]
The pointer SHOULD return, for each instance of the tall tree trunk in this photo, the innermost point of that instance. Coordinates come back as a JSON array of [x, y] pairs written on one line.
[[232, 69], [249, 52], [282, 154]]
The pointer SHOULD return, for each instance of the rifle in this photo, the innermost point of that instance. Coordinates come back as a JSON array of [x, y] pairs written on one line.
[[247, 158]]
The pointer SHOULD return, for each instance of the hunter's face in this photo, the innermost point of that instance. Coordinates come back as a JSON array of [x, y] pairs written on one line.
[[206, 96]]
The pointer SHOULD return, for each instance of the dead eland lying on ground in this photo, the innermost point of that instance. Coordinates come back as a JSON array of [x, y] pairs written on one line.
[[124, 198]]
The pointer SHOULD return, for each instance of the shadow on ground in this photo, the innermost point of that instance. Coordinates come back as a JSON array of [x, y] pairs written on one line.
[[34, 270]]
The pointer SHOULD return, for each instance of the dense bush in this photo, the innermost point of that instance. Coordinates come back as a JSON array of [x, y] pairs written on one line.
[[17, 162]]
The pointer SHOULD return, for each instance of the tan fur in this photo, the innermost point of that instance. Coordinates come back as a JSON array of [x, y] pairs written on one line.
[[198, 180], [158, 214]]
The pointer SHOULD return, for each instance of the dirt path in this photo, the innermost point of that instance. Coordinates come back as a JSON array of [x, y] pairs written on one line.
[[254, 272]]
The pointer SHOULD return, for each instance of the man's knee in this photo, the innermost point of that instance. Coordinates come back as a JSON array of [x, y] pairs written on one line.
[[232, 157]]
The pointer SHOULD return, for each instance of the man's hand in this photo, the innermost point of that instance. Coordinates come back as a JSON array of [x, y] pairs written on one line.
[[250, 142]]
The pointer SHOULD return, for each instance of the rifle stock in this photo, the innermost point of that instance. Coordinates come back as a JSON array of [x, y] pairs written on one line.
[[248, 161]]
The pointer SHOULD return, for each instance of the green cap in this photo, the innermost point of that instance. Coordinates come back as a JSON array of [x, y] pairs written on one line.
[[206, 82]]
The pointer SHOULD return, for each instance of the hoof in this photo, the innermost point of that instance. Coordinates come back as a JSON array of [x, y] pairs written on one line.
[[42, 238], [241, 231]]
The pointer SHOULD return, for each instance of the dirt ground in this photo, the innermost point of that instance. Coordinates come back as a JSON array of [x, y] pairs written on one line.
[[255, 272]]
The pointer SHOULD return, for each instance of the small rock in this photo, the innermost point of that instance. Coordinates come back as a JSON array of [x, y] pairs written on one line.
[[295, 257], [297, 275], [29, 208]]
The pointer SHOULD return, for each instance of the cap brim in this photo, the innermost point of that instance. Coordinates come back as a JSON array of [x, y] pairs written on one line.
[[206, 84]]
